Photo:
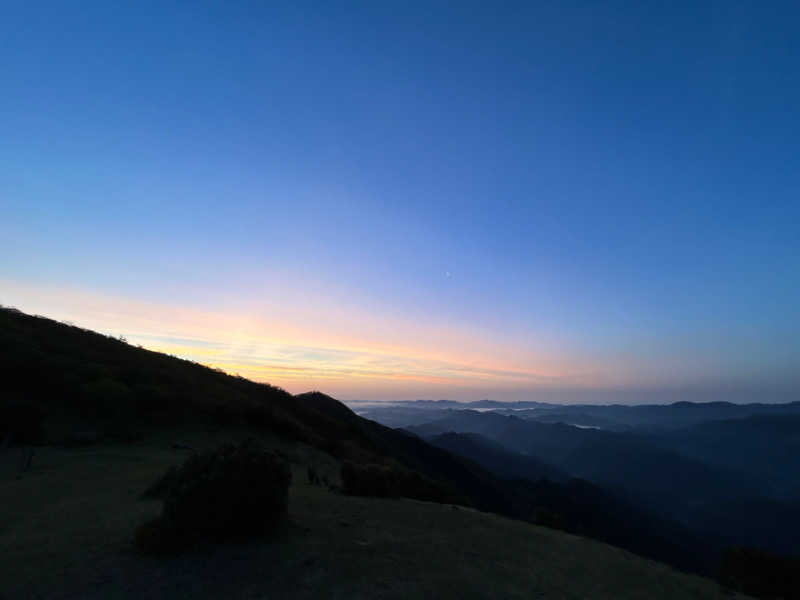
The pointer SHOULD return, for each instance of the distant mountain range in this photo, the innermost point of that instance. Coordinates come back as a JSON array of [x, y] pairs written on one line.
[[725, 471], [618, 417]]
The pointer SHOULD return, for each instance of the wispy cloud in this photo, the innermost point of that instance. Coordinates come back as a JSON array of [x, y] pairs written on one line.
[[291, 354]]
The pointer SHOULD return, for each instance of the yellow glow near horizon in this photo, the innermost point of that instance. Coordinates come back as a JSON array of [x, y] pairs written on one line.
[[351, 357]]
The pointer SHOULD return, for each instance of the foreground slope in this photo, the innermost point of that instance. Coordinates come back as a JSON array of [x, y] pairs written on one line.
[[67, 525]]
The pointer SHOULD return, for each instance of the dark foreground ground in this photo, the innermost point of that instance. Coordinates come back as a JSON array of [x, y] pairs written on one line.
[[66, 528]]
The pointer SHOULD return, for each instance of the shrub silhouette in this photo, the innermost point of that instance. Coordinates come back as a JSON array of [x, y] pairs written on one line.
[[161, 486], [384, 481], [157, 537], [21, 423], [760, 574], [234, 492], [106, 399]]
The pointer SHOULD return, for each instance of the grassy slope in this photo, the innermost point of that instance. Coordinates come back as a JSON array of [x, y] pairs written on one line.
[[66, 526]]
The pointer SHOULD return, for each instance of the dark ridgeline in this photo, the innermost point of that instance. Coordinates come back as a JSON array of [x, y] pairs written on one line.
[[667, 493]]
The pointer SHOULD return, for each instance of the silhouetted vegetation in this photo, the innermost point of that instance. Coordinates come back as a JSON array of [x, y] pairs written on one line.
[[161, 486], [157, 537], [235, 492], [313, 476], [383, 481], [21, 423], [761, 574]]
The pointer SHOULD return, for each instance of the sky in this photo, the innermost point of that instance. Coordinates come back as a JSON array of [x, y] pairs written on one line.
[[569, 201]]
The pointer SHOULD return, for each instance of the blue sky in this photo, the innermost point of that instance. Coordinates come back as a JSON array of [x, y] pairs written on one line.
[[397, 200]]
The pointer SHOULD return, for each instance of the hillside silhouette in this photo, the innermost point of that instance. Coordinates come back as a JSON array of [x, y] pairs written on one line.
[[73, 388]]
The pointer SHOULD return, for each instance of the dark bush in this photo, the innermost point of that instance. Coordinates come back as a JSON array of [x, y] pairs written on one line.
[[235, 492], [259, 417], [384, 481], [156, 537], [123, 429], [368, 480], [162, 485], [23, 422], [761, 574], [106, 398], [85, 437], [224, 416], [550, 518]]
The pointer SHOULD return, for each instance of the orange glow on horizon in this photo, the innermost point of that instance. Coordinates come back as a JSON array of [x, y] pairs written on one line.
[[299, 350]]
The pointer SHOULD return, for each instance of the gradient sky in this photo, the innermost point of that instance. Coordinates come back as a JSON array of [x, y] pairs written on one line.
[[590, 200]]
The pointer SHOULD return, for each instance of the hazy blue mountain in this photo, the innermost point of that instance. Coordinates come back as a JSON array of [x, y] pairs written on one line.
[[765, 447], [614, 417], [404, 415], [497, 458], [579, 506], [676, 415], [659, 476], [708, 476]]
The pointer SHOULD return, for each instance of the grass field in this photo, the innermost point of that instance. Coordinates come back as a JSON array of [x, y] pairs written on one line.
[[66, 529]]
